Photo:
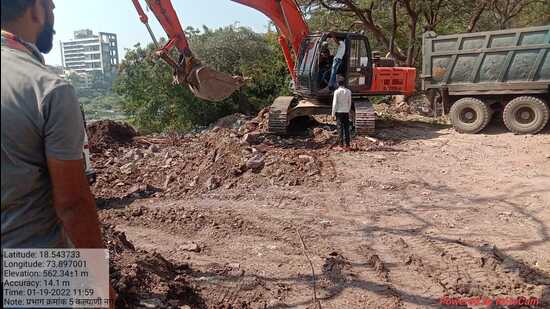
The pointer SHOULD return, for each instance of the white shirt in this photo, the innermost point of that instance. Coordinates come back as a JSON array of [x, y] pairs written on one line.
[[341, 51], [341, 103]]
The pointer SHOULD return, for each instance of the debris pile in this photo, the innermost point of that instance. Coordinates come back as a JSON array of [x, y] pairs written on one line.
[[243, 158], [143, 279], [105, 134]]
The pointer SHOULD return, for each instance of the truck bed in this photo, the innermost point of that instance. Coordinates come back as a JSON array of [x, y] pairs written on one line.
[[510, 61]]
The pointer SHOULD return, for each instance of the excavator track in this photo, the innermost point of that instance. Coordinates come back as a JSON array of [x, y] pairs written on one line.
[[278, 115], [365, 117]]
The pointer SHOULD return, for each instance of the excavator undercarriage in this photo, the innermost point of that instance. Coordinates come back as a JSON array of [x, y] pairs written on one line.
[[287, 108]]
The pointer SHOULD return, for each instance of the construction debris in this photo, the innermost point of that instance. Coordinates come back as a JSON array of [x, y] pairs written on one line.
[[105, 134], [235, 158]]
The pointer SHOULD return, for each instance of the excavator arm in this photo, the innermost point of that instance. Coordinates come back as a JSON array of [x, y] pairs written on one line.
[[204, 82], [290, 23]]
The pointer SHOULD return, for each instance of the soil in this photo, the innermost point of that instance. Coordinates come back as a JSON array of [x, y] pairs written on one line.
[[416, 215], [104, 134]]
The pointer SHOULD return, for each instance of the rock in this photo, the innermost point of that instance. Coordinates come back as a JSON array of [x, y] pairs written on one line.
[[306, 158], [234, 265], [137, 212], [231, 184], [168, 161], [236, 273], [168, 180], [151, 303], [233, 121], [153, 148], [141, 190], [213, 183], [127, 168], [256, 163], [193, 247], [317, 131], [238, 171], [185, 307], [251, 138], [193, 182]]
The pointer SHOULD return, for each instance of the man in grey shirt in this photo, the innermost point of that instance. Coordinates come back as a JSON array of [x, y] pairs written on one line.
[[46, 200]]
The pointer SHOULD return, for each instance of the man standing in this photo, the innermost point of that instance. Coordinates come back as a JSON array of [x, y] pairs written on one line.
[[337, 61], [46, 199], [341, 107]]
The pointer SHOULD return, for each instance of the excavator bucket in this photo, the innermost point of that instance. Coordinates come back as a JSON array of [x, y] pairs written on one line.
[[211, 85]]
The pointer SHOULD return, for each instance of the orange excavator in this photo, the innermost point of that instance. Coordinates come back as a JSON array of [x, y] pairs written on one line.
[[306, 57]]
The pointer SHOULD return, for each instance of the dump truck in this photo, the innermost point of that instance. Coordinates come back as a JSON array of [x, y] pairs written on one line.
[[471, 76]]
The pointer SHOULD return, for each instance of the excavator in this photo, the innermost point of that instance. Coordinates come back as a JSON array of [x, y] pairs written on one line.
[[364, 74]]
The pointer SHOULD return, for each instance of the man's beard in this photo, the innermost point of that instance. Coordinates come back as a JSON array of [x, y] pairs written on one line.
[[44, 41]]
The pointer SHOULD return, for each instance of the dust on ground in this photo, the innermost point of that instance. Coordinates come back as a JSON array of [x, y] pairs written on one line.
[[418, 214]]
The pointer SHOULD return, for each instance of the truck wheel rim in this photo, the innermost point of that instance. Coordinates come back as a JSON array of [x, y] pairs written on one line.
[[525, 115], [468, 115]]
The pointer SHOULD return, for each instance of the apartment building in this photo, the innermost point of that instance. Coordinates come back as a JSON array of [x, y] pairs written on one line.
[[90, 54]]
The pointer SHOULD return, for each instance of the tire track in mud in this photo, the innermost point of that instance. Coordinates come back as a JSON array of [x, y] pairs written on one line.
[[377, 265], [460, 269], [411, 289]]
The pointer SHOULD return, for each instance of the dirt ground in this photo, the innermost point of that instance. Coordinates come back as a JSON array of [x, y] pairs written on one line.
[[437, 214]]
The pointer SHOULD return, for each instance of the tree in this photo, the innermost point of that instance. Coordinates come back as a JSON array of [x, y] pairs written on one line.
[[504, 11], [397, 25], [155, 105]]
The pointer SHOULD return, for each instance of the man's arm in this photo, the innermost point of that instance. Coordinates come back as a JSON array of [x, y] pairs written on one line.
[[63, 146], [74, 203]]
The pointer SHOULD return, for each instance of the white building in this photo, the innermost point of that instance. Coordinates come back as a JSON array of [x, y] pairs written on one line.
[[88, 53]]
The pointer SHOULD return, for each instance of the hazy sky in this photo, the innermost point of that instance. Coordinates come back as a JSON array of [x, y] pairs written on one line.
[[120, 17]]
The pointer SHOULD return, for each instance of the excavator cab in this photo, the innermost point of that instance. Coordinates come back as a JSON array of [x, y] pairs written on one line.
[[313, 69], [315, 64]]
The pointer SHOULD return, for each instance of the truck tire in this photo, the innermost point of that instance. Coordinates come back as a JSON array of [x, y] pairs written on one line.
[[525, 115], [469, 115]]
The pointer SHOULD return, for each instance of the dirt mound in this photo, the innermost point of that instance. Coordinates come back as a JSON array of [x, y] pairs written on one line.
[[214, 161], [105, 134], [220, 159], [146, 279], [233, 121]]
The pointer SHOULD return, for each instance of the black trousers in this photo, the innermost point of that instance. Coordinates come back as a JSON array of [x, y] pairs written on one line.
[[342, 120]]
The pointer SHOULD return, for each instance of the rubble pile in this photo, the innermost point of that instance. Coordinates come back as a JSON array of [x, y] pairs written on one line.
[[216, 160], [400, 106], [143, 279], [105, 134], [241, 156]]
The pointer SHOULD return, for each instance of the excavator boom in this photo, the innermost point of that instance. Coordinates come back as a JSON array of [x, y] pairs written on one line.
[[290, 23], [207, 83]]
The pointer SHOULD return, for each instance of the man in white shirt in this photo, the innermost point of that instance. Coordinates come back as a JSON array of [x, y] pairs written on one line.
[[341, 107], [337, 61]]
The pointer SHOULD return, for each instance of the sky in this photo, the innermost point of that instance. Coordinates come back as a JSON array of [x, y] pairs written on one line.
[[120, 17]]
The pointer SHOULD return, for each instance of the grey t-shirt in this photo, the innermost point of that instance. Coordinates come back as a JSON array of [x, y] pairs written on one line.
[[41, 119]]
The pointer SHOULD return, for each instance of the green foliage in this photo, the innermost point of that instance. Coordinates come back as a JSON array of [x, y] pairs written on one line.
[[155, 105], [99, 107]]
